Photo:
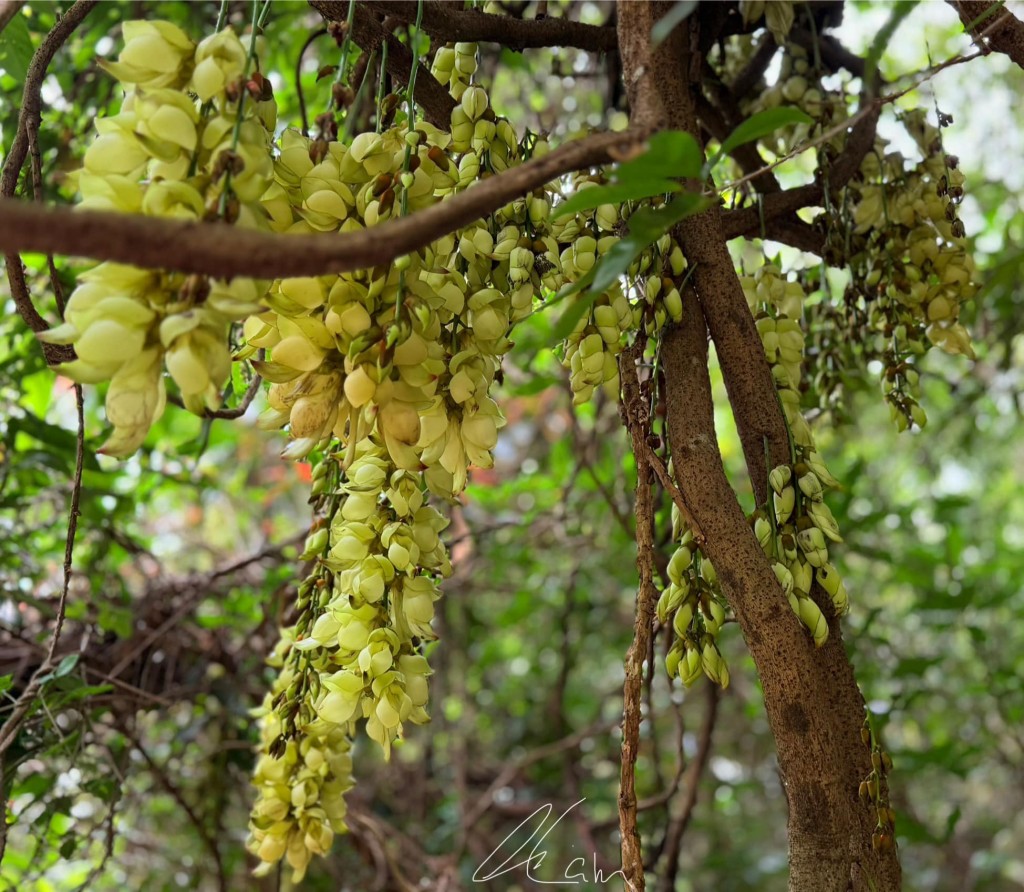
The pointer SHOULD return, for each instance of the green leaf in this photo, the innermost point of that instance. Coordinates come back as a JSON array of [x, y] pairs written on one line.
[[758, 126], [646, 226], [16, 48], [670, 153], [5, 683], [614, 193], [65, 666], [573, 313], [678, 14]]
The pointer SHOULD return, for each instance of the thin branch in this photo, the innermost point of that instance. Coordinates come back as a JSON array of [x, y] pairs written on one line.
[[204, 834], [637, 422], [679, 823], [509, 772], [298, 78], [677, 497], [10, 728], [24, 140], [239, 410], [218, 249], [471, 25]]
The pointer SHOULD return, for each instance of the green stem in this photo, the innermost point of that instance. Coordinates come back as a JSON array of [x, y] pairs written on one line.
[[410, 96], [380, 87], [346, 129], [259, 17]]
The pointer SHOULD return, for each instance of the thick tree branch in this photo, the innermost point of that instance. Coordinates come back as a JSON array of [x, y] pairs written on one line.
[[471, 25], [813, 704], [748, 581], [834, 55], [217, 249], [751, 73], [993, 27]]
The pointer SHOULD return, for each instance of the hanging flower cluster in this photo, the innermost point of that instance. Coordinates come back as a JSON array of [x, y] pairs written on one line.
[[386, 374], [910, 261], [168, 154], [795, 527], [383, 377], [898, 229]]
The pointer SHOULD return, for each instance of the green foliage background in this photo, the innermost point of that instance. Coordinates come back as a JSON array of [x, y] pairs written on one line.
[[539, 615]]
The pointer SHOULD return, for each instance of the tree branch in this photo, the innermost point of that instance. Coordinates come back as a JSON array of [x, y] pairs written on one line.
[[472, 25], [747, 221], [678, 824], [635, 418], [993, 27], [8, 10], [217, 249], [751, 73], [431, 97]]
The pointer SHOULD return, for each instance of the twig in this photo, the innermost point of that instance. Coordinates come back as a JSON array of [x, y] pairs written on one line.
[[221, 250], [10, 728], [509, 772], [208, 841], [679, 823], [239, 410], [369, 33], [199, 590], [654, 460], [109, 836]]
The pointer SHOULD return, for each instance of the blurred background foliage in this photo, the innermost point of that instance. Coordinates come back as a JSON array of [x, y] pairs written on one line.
[[133, 771]]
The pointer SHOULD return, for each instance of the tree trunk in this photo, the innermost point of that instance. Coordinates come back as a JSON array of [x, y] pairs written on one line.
[[814, 706]]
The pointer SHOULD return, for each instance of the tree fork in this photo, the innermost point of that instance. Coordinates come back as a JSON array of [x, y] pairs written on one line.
[[813, 704]]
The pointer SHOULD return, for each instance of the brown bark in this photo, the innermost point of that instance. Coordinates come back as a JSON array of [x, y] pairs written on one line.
[[813, 704], [985, 20], [634, 416], [473, 25], [217, 249]]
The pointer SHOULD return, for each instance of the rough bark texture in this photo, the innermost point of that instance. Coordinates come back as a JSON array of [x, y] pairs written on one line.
[[1004, 31], [658, 89], [813, 704]]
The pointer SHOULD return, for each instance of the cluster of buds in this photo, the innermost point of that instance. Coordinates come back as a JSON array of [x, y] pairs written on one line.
[[794, 529], [874, 792], [694, 607], [455, 66], [910, 261], [799, 86], [355, 653], [578, 242], [166, 155]]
